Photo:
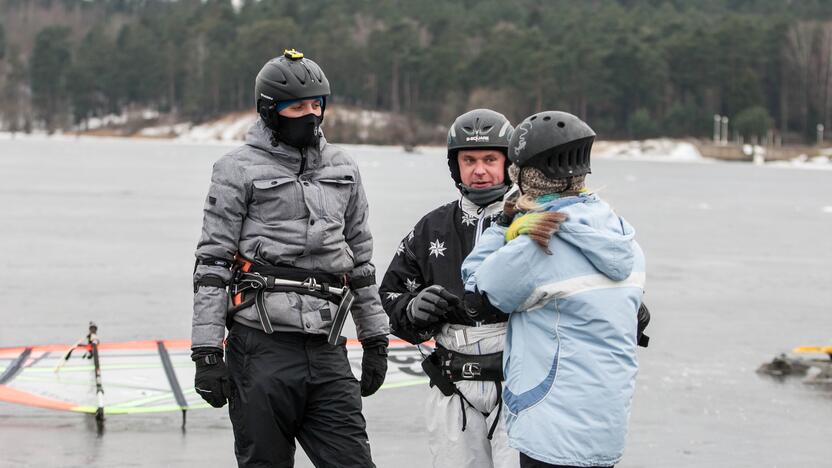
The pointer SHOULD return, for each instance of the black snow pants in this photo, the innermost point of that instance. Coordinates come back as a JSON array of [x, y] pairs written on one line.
[[529, 462], [294, 386]]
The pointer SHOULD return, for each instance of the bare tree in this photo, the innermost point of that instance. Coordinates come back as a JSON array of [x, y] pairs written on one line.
[[799, 58], [825, 69]]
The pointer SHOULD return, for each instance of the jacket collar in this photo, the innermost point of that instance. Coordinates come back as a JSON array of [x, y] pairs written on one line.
[[473, 209]]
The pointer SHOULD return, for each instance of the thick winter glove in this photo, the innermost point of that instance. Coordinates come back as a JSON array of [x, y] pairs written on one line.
[[478, 307], [540, 227], [643, 321], [212, 380], [509, 210], [373, 363], [430, 305]]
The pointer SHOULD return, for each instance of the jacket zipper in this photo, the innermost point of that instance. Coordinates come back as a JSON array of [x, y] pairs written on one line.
[[302, 161], [480, 212]]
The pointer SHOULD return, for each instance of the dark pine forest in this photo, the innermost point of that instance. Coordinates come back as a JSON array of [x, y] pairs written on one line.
[[634, 68]]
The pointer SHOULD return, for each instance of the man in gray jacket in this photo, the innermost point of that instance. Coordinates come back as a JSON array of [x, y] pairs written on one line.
[[285, 252]]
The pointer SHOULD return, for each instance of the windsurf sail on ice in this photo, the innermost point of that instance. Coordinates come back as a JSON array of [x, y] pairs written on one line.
[[133, 377]]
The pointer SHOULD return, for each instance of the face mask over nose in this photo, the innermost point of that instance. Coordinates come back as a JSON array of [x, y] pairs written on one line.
[[300, 132]]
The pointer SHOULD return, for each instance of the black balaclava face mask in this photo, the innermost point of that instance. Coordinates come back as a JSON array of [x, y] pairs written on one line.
[[300, 132]]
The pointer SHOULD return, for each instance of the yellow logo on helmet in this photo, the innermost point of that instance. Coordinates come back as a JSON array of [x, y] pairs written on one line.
[[292, 54]]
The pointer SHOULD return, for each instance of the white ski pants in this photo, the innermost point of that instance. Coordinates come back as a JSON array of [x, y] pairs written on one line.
[[450, 446]]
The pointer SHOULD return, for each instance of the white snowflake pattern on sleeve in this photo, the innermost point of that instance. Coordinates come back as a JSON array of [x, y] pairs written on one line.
[[437, 248], [411, 284]]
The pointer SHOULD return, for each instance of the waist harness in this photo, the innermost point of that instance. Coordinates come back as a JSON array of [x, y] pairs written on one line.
[[249, 283], [459, 317], [444, 367]]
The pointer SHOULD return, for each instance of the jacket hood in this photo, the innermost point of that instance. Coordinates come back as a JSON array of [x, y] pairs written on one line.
[[602, 236]]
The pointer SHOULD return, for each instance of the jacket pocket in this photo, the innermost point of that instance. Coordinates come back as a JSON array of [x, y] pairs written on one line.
[[526, 386], [317, 314], [336, 188], [277, 199], [238, 351]]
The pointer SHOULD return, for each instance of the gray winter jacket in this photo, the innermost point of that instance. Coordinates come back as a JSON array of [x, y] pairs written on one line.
[[274, 205]]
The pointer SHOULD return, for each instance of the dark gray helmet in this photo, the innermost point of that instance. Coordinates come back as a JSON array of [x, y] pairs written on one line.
[[478, 129], [557, 143], [285, 78]]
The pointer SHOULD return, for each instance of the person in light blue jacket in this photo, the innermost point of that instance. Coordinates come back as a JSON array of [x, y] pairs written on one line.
[[570, 274]]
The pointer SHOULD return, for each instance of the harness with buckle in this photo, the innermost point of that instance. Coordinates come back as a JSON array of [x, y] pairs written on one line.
[[250, 282], [445, 367]]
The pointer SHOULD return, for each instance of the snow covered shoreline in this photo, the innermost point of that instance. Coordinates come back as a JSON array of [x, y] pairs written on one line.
[[662, 149], [805, 162], [230, 131]]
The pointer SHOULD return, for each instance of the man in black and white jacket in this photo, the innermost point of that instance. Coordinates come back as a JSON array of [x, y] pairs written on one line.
[[422, 290]]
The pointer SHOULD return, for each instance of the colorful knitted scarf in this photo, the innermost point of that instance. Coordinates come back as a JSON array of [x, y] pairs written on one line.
[[535, 184]]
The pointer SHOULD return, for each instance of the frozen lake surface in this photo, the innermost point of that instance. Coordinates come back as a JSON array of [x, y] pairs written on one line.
[[739, 261]]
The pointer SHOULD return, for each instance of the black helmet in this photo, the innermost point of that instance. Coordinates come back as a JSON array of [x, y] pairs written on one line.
[[557, 143], [478, 129], [285, 78]]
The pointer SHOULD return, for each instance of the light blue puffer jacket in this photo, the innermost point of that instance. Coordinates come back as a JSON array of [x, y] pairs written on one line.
[[570, 361]]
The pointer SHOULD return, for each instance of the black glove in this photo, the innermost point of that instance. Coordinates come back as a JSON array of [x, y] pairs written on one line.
[[430, 305], [212, 380], [373, 363], [478, 307], [509, 210], [643, 321]]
